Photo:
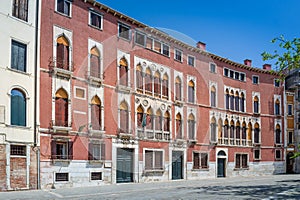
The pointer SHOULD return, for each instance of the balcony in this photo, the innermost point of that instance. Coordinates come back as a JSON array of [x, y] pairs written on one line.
[[153, 135]]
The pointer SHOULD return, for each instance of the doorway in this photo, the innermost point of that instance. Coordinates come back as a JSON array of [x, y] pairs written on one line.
[[177, 165], [221, 164], [124, 165]]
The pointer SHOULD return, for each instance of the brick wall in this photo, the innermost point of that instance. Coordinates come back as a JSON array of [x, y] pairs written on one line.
[[17, 173], [2, 168]]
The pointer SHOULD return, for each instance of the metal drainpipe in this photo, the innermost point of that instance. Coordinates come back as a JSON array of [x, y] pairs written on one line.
[[36, 92]]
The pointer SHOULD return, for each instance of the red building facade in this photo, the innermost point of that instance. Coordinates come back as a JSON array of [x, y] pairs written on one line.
[[124, 102]]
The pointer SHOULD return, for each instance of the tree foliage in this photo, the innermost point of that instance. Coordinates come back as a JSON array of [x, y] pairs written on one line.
[[287, 58]]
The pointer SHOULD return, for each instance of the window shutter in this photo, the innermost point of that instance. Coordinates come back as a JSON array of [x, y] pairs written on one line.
[[103, 151], [22, 111], [70, 150], [158, 160], [204, 158], [196, 160], [238, 130], [53, 149], [227, 101], [95, 66], [66, 58], [148, 160], [96, 116], [237, 161], [14, 110], [90, 152], [59, 55], [244, 161]]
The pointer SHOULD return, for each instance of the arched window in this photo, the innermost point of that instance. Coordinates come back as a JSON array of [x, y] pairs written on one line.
[[231, 132], [157, 84], [123, 75], [278, 134], [140, 117], [158, 121], [148, 81], [238, 130], [237, 101], [124, 117], [213, 130], [249, 132], [96, 113], [179, 127], [139, 78], [231, 100], [277, 107], [191, 127], [95, 69], [244, 131], [256, 105], [256, 133], [61, 108], [178, 89], [227, 99], [149, 119], [226, 126], [167, 122], [220, 126], [165, 86], [242, 102], [18, 108], [62, 53], [191, 92], [213, 98]]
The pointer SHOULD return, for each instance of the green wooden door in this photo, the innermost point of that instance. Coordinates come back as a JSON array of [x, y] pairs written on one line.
[[177, 163], [124, 165]]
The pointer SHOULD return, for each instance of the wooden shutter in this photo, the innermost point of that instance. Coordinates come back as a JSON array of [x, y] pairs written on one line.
[[196, 160], [96, 116], [204, 158], [158, 160], [227, 101], [59, 55], [53, 149], [237, 161], [90, 151], [244, 161], [95, 66], [178, 129], [103, 151], [70, 150], [148, 160]]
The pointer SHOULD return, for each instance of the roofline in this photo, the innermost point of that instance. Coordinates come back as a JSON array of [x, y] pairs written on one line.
[[176, 41]]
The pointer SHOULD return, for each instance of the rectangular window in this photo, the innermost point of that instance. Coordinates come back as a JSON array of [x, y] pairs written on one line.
[[61, 177], [80, 93], [17, 150], [290, 109], [256, 154], [64, 7], [124, 31], [18, 56], [96, 20], [242, 77], [290, 137], [178, 55], [226, 72], [153, 160], [191, 61], [61, 149], [241, 161], [149, 43], [231, 74], [278, 154], [96, 151], [96, 176], [157, 46], [200, 160], [20, 9], [237, 75], [212, 67], [140, 38], [255, 79], [166, 50], [277, 83]]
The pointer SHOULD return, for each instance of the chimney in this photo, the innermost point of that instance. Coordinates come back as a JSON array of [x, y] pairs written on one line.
[[248, 62], [267, 67], [201, 46]]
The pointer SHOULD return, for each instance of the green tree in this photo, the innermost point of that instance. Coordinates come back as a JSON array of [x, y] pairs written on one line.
[[287, 57]]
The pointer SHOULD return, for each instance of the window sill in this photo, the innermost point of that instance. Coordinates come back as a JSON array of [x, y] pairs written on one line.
[[180, 61], [240, 169], [201, 169], [18, 71], [63, 14], [61, 129], [95, 27], [19, 127], [154, 171], [125, 39]]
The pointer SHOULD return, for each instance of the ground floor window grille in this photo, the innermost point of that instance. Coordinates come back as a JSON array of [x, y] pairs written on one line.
[[61, 177], [200, 160], [241, 161], [17, 150], [153, 160], [96, 176]]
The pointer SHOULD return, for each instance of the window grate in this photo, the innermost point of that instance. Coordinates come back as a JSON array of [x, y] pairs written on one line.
[[96, 176], [61, 177], [17, 150]]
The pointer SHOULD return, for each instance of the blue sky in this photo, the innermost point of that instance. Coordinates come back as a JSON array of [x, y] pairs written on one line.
[[233, 29]]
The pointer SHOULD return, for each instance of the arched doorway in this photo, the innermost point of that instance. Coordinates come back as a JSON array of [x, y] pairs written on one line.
[[289, 163], [221, 164]]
